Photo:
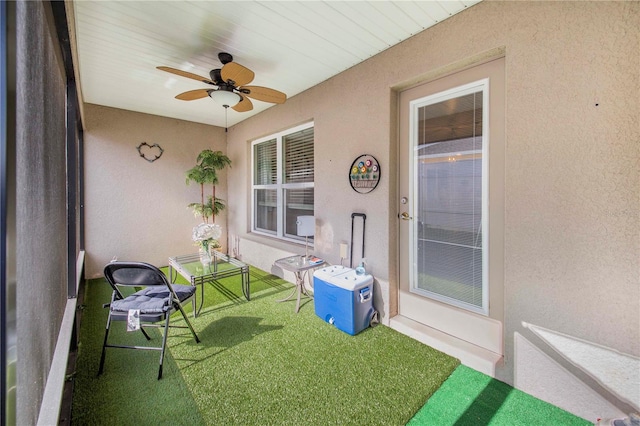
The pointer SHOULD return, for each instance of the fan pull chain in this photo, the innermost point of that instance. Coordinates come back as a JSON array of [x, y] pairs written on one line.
[[226, 109]]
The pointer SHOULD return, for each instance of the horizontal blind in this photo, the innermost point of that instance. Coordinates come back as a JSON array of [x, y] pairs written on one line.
[[449, 181], [266, 163], [298, 157]]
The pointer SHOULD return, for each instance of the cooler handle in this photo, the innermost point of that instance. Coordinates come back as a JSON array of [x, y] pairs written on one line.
[[365, 294]]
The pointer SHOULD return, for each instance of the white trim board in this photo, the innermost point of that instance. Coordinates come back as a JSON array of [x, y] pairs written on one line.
[[617, 372]]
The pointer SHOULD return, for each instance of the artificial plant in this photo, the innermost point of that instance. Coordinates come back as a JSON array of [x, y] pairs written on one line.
[[206, 172]]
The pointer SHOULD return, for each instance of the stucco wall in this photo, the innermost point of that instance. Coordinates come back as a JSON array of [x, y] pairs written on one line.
[[572, 252], [572, 182], [134, 209]]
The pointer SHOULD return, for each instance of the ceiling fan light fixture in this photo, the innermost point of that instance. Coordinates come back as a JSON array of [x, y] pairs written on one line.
[[225, 98]]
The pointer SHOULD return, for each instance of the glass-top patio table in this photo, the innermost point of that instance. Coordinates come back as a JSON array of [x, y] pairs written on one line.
[[197, 273], [298, 265]]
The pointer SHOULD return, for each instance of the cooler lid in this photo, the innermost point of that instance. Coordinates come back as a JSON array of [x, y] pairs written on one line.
[[326, 272], [350, 280]]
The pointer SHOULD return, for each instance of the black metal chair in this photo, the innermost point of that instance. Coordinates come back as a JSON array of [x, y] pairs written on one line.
[[155, 302]]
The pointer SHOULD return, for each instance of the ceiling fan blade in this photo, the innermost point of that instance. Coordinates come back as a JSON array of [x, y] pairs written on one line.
[[186, 74], [236, 72], [192, 95], [244, 105], [264, 94]]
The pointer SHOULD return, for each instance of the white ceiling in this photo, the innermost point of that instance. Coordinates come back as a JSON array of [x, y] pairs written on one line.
[[290, 45]]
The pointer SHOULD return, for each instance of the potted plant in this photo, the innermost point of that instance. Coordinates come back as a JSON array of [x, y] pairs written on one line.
[[205, 172]]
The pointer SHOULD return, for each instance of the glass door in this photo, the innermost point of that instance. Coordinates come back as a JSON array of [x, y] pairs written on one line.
[[448, 280]]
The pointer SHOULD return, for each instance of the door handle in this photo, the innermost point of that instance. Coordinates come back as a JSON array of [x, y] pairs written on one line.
[[405, 216]]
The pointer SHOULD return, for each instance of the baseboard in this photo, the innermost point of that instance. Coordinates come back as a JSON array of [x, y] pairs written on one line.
[[469, 354]]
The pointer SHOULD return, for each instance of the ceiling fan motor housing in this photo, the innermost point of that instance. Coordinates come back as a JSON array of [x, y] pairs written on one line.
[[216, 75]]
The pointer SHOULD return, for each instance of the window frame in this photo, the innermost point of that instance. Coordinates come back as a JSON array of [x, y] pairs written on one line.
[[280, 186]]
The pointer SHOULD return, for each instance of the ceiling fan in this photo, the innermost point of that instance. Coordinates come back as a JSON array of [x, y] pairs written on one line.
[[229, 86]]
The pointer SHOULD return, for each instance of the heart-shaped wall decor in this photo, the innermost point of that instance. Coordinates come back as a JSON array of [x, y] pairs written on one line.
[[150, 152]]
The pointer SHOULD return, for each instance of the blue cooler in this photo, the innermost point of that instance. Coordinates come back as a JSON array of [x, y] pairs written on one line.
[[343, 298]]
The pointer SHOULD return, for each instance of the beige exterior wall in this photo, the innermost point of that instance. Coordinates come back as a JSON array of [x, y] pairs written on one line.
[[134, 209], [572, 182]]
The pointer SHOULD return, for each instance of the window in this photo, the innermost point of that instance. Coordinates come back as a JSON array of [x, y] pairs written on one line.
[[451, 185], [282, 181]]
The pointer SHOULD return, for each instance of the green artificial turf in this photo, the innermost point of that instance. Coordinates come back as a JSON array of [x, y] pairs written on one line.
[[258, 363], [470, 398]]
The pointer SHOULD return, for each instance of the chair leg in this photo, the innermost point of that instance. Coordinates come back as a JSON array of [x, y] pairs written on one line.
[[186, 319], [164, 344], [104, 346]]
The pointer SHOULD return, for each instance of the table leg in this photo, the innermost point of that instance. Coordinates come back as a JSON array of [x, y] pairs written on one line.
[[300, 285], [246, 282], [303, 286], [298, 290], [197, 310], [201, 297], [295, 289], [193, 305]]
